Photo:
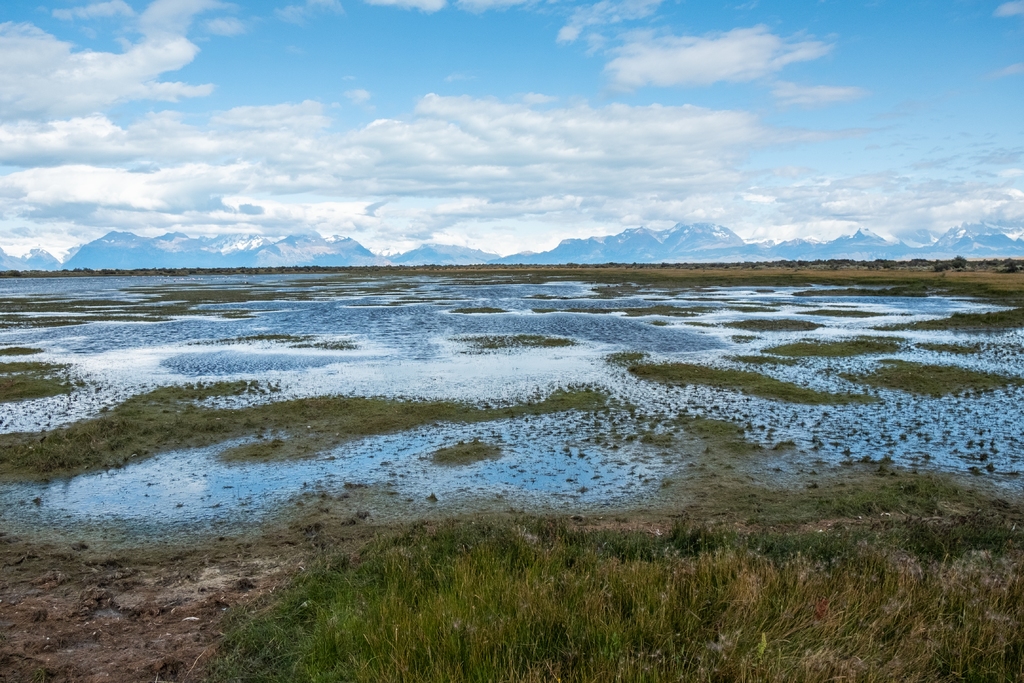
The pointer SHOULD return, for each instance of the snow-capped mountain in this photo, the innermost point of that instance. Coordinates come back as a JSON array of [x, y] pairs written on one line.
[[37, 259], [696, 243], [442, 255], [177, 250]]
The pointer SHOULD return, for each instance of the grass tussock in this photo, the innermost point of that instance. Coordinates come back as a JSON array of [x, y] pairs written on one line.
[[982, 322], [762, 360], [478, 309], [466, 453], [169, 418], [752, 383], [23, 380], [959, 349], [19, 351], [842, 313], [538, 600], [773, 325], [515, 341], [932, 380], [860, 346]]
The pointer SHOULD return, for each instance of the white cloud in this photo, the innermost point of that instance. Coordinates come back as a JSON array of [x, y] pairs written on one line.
[[1012, 70], [44, 76], [816, 95], [358, 96], [1009, 9], [225, 26], [95, 10], [423, 5], [605, 12], [484, 5], [298, 14], [743, 54]]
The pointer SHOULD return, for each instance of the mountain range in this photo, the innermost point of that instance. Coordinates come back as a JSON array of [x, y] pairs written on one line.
[[693, 243]]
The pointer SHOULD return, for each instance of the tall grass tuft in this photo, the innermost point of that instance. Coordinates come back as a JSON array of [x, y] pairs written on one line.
[[539, 601]]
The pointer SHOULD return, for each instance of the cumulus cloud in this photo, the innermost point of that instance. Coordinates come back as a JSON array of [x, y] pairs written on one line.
[[740, 55], [95, 10], [225, 26], [816, 95], [298, 14], [44, 76], [358, 96], [1009, 9], [605, 12]]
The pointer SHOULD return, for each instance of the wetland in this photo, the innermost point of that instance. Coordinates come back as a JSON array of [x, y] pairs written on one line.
[[325, 451]]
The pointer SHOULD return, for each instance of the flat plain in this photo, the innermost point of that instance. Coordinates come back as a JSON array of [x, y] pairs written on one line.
[[520, 474]]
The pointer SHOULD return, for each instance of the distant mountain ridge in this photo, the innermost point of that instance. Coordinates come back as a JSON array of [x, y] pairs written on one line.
[[693, 243]]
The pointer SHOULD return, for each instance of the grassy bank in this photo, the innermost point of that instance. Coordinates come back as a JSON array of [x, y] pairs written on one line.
[[932, 380], [752, 383], [172, 417], [22, 380], [542, 600]]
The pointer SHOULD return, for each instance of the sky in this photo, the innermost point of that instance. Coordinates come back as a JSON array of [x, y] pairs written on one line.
[[507, 125]]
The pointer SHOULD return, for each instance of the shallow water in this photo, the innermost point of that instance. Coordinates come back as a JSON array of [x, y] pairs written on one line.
[[406, 336]]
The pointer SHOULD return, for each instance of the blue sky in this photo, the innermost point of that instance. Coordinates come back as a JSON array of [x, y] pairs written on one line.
[[506, 125]]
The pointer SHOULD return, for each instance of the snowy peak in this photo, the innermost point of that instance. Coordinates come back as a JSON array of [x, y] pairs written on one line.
[[442, 255]]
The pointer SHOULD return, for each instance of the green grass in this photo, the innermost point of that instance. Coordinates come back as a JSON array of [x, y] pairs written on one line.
[[842, 313], [538, 600], [20, 381], [19, 351], [466, 453], [296, 341], [752, 383], [773, 325], [959, 349], [626, 358], [932, 380], [859, 346], [170, 418], [999, 320], [478, 309], [915, 289], [515, 341], [762, 360], [720, 436]]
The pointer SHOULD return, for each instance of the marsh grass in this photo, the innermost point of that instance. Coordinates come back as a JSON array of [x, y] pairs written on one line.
[[858, 346], [773, 325], [466, 453], [719, 436], [478, 309], [752, 383], [626, 358], [914, 289], [539, 600], [762, 360], [172, 417], [515, 341], [842, 313], [19, 351], [998, 320], [959, 349], [23, 380], [932, 380]]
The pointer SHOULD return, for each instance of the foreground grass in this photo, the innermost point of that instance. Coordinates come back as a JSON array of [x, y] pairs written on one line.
[[537, 600], [838, 349], [170, 418], [752, 383], [932, 380], [20, 381]]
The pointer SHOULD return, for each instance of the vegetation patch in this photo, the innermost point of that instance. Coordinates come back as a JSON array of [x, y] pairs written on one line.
[[773, 325], [959, 349], [296, 341], [763, 360], [515, 341], [721, 436], [669, 311], [932, 380], [626, 358], [540, 600], [478, 309], [911, 289], [842, 313], [20, 381], [997, 320], [19, 351], [752, 383], [466, 453], [172, 417], [859, 346]]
